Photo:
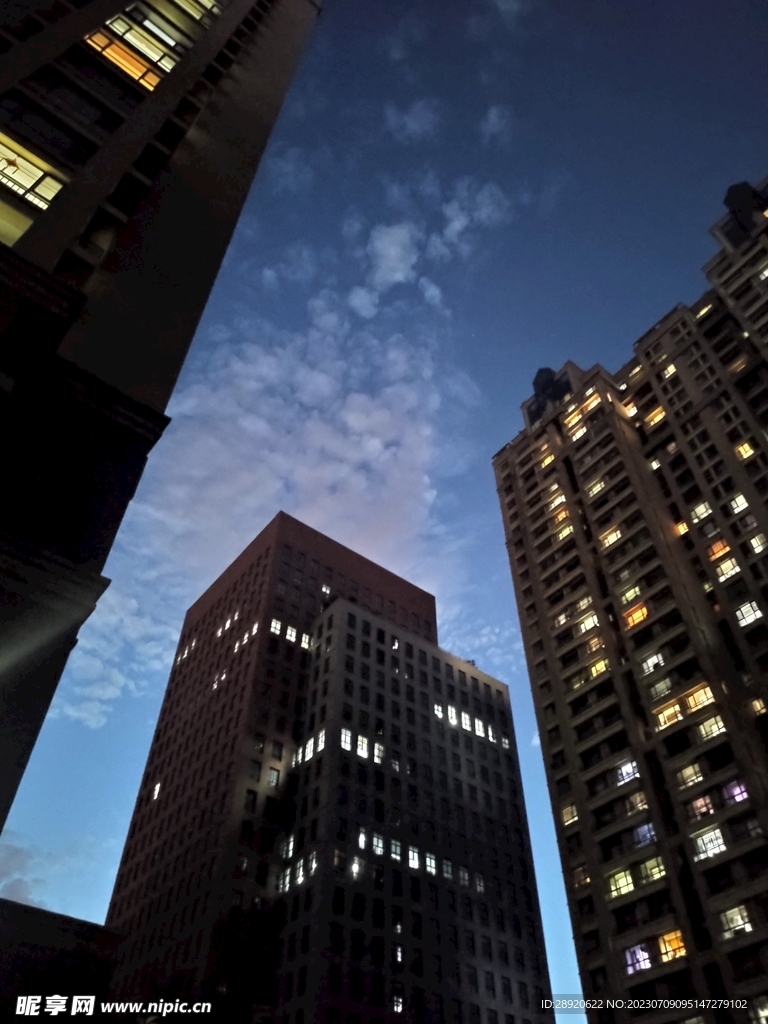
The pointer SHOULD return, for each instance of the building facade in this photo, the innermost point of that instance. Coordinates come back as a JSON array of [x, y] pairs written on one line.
[[634, 509], [331, 795], [129, 137]]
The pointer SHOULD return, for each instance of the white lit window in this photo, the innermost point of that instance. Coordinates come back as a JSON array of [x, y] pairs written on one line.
[[709, 844], [727, 568], [395, 764], [655, 464], [378, 845], [346, 739], [254, 629], [555, 502], [156, 791], [610, 537], [588, 623], [565, 532], [711, 727], [626, 771], [298, 757], [290, 633], [395, 849], [479, 728], [735, 922], [505, 742], [463, 876], [312, 861], [651, 663], [620, 883], [703, 311], [306, 639], [669, 716], [273, 778], [630, 595], [701, 511], [570, 814], [378, 753], [325, 589], [652, 870], [321, 740], [309, 749], [758, 1008], [668, 371], [466, 721], [689, 776], [362, 746], [738, 504], [430, 863], [748, 612], [491, 734], [763, 275], [579, 433], [660, 689], [758, 543], [644, 834], [356, 867], [479, 882], [452, 717], [636, 802], [397, 1001], [413, 858], [637, 958], [598, 667], [299, 872], [595, 488], [447, 869], [276, 626], [438, 710], [361, 839]]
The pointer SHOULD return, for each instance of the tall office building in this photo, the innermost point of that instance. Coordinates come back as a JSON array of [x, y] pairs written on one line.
[[634, 507], [330, 825], [130, 133]]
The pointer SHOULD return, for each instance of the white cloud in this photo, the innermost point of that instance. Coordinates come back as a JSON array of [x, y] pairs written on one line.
[[19, 873], [432, 293], [473, 205], [496, 124], [394, 251], [419, 121], [364, 301], [290, 171], [535, 740]]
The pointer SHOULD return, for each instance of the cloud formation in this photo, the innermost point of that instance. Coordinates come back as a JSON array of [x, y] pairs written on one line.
[[418, 122], [496, 125], [289, 171]]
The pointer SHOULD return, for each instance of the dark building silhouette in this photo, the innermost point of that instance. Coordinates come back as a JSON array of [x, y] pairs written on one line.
[[129, 137], [332, 797], [634, 507]]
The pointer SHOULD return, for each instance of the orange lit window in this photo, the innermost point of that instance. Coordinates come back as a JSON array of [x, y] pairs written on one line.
[[125, 59], [718, 549], [561, 515], [744, 450], [671, 946], [636, 615]]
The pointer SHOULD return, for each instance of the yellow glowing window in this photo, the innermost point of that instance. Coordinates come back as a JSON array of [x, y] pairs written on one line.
[[631, 409], [728, 567], [652, 869], [758, 543], [636, 615], [718, 549], [599, 667], [703, 311], [669, 716], [671, 946], [546, 461], [579, 433], [591, 403], [699, 698], [594, 644], [668, 371], [561, 515], [681, 528], [21, 174], [620, 883], [570, 814], [128, 61], [573, 419], [655, 417], [744, 450], [595, 488], [610, 537], [758, 706], [565, 532]]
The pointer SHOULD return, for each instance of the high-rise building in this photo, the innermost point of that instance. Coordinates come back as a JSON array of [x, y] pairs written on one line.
[[332, 797], [130, 133], [634, 507]]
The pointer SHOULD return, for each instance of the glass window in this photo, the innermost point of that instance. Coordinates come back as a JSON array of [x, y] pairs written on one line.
[[701, 511], [735, 792], [479, 728], [671, 946], [290, 633], [701, 807], [378, 753], [689, 775], [361, 838], [637, 958], [620, 883], [447, 869], [727, 568], [758, 543], [309, 749], [738, 503], [346, 739], [744, 451], [580, 876], [430, 863], [463, 876], [438, 709], [652, 662], [395, 849], [362, 746], [479, 883], [735, 921], [321, 740], [466, 721], [274, 777], [305, 641], [570, 814], [452, 717], [630, 595], [699, 698], [660, 689], [669, 716], [413, 858], [651, 870], [711, 727], [598, 667], [378, 844], [636, 615], [709, 844], [611, 537], [748, 612], [644, 834], [626, 771], [718, 549]]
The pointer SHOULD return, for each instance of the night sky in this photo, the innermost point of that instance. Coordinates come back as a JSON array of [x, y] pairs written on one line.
[[456, 194]]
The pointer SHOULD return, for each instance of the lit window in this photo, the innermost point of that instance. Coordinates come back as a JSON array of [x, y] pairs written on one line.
[[689, 776], [652, 662], [701, 511], [378, 845], [620, 883], [346, 739], [651, 870], [555, 502], [636, 802], [713, 726], [644, 834], [630, 594], [361, 839], [655, 464], [660, 689], [565, 532], [447, 869], [356, 867], [758, 543], [727, 568], [763, 275], [395, 763], [655, 417], [305, 640], [463, 876], [505, 742], [395, 849], [748, 612], [570, 814], [479, 883], [595, 488], [738, 504], [439, 710], [156, 791], [718, 549], [274, 777], [758, 1013], [671, 946], [735, 922], [321, 740], [610, 537], [127, 59], [703, 311], [275, 627], [588, 623], [580, 876], [378, 753], [636, 615], [668, 371], [546, 461], [560, 516], [452, 717], [397, 1001], [758, 706], [669, 716], [430, 863], [560, 620], [744, 450], [479, 728], [325, 589], [682, 528], [701, 807], [413, 858], [290, 633], [735, 792], [631, 409], [709, 844], [312, 862], [637, 958], [699, 698], [626, 771], [491, 734], [598, 667], [466, 721], [309, 749], [362, 746]]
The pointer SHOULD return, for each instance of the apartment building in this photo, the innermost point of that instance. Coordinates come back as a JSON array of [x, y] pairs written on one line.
[[332, 796], [129, 137], [634, 508]]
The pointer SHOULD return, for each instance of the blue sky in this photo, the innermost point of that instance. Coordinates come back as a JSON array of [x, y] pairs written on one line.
[[455, 195]]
